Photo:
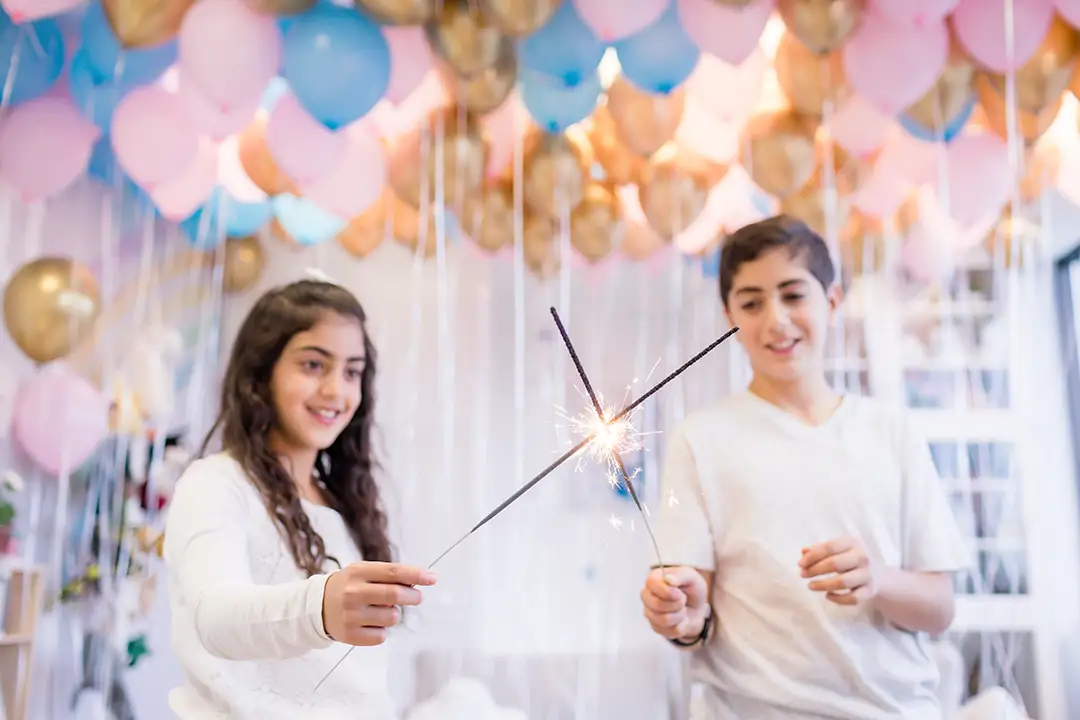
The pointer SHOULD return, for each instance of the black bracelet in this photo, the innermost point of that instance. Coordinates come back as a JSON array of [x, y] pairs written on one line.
[[702, 636]]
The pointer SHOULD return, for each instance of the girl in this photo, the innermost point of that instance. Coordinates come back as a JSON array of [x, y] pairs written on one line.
[[277, 546]]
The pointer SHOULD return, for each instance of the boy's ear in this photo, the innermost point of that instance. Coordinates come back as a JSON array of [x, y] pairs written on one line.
[[835, 296]]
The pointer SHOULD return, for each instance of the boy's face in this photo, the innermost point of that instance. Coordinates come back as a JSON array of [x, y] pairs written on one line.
[[783, 315]]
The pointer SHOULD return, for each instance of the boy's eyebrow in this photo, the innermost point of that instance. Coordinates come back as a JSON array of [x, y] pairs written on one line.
[[327, 354], [786, 285]]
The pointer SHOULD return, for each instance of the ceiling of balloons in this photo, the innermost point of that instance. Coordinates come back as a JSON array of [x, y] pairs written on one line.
[[628, 125]]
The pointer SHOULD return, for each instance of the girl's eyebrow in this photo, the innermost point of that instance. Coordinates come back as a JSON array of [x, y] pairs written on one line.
[[327, 354]]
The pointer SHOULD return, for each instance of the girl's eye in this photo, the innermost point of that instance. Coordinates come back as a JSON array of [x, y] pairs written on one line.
[[312, 365], [353, 373]]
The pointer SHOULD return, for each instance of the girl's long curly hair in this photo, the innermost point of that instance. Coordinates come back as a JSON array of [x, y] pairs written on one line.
[[247, 416]]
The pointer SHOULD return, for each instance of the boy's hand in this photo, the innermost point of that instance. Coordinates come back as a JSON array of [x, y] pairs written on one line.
[[854, 575], [675, 600]]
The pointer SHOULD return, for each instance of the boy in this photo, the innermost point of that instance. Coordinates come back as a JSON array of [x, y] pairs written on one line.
[[810, 539]]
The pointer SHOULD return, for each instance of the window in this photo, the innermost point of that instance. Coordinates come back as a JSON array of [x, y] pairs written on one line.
[[1067, 289]]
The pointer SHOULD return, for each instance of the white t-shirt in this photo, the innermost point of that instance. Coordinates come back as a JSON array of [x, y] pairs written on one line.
[[747, 486], [247, 623]]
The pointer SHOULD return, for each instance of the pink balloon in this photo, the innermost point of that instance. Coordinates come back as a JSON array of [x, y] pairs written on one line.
[[183, 195], [210, 118], [357, 182], [152, 135], [980, 26], [729, 32], [892, 65], [410, 60], [612, 20], [229, 52], [24, 11], [742, 83], [304, 148], [859, 127], [883, 193], [915, 12], [977, 177], [705, 134], [45, 146], [233, 177], [59, 419], [1069, 11], [502, 128]]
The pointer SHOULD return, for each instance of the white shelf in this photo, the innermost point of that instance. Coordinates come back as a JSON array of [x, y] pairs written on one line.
[[995, 613]]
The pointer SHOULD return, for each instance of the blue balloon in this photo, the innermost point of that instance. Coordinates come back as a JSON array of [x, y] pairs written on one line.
[[564, 48], [241, 218], [204, 229], [659, 58], [337, 63], [40, 48], [553, 105], [110, 61], [710, 264], [949, 132], [96, 99], [103, 166], [305, 221]]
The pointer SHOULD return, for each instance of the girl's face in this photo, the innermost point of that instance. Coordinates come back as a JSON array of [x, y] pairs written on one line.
[[315, 384]]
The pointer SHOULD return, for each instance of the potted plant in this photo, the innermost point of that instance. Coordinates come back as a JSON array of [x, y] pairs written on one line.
[[10, 485]]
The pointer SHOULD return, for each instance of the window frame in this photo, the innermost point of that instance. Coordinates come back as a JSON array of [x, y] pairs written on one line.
[[1066, 296]]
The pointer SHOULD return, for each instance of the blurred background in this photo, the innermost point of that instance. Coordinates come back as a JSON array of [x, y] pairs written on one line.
[[462, 166]]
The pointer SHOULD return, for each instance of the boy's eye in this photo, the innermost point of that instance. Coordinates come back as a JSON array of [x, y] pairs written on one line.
[[793, 297], [752, 305]]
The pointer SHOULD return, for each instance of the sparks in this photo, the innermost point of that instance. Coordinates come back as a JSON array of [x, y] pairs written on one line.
[[615, 521]]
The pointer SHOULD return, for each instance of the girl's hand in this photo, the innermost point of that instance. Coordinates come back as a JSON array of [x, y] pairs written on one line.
[[675, 600], [854, 574], [362, 600]]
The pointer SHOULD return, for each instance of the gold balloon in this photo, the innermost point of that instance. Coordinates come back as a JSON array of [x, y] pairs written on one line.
[[862, 245], [993, 114], [1012, 241], [50, 305], [778, 151], [556, 171], [145, 23], [1041, 80], [406, 222], [400, 12], [465, 39], [245, 261], [640, 241], [596, 224], [621, 165], [1040, 171], [539, 246], [281, 7], [259, 165], [644, 121], [849, 173], [674, 188], [821, 25], [489, 217], [949, 96], [414, 159], [486, 90], [366, 231], [812, 206], [519, 18], [809, 81]]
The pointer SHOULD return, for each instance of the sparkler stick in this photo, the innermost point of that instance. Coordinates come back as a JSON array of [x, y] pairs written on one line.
[[616, 457]]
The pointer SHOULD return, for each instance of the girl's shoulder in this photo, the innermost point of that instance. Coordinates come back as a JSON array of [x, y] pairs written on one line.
[[216, 478]]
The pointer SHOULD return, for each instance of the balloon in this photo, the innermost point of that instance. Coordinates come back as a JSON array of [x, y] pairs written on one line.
[[108, 59], [778, 151], [414, 163], [728, 31], [821, 25], [810, 81], [486, 90], [211, 118], [465, 39], [980, 27], [245, 261], [281, 7], [180, 196], [564, 48], [945, 134], [674, 189], [410, 60], [812, 206], [229, 52], [279, 233], [50, 305], [596, 225], [977, 173], [406, 226], [659, 58], [337, 63], [858, 126], [612, 20], [994, 115], [915, 12], [1041, 80], [366, 231], [489, 217], [96, 100], [743, 85], [400, 12], [555, 106], [305, 221], [205, 228], [59, 419], [519, 18], [141, 24], [357, 181], [45, 146], [304, 149], [31, 62], [556, 171], [645, 122], [621, 165], [503, 128], [950, 96], [539, 247], [862, 245], [25, 11], [259, 164], [152, 136]]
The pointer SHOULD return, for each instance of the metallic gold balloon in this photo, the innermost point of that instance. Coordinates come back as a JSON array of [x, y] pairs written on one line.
[[486, 90], [809, 81], [821, 25], [1041, 80], [415, 159], [259, 165], [556, 171], [952, 91], [862, 245], [489, 217], [674, 188], [778, 151], [644, 121], [245, 261], [466, 39], [50, 305], [406, 222], [366, 231], [640, 241], [145, 23], [540, 246], [814, 207], [596, 225], [993, 114], [281, 7], [519, 18], [849, 173], [400, 12], [621, 165]]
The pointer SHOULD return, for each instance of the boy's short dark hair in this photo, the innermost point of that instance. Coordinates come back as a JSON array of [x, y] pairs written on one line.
[[750, 242]]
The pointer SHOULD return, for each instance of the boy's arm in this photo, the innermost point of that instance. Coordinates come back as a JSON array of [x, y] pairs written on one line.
[[916, 601]]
